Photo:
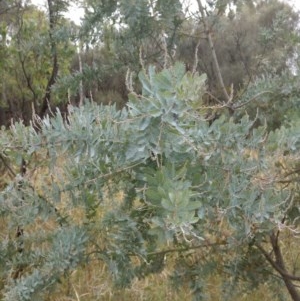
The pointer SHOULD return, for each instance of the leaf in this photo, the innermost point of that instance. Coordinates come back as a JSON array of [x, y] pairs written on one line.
[[162, 81], [144, 123], [193, 205], [145, 83], [168, 204], [153, 196]]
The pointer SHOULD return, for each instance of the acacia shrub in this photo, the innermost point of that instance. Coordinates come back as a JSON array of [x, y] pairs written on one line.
[[191, 187]]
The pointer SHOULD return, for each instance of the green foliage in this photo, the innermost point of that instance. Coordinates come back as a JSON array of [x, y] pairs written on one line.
[[211, 194], [276, 99], [26, 56], [250, 42]]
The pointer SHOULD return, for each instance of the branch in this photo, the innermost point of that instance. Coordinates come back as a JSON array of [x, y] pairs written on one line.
[[279, 266], [251, 99], [274, 264], [220, 243]]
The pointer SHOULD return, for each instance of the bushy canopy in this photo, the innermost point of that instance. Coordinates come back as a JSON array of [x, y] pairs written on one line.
[[131, 187]]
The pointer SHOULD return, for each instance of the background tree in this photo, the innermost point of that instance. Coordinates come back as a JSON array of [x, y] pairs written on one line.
[[245, 43], [116, 37], [31, 63], [123, 35]]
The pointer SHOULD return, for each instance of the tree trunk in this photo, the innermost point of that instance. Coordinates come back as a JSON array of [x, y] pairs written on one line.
[[47, 97], [81, 97], [228, 98]]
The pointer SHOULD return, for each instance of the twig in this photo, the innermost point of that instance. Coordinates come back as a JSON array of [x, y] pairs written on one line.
[[175, 250], [251, 99]]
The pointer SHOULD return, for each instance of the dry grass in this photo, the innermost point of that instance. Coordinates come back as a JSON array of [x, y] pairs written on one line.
[[94, 283]]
